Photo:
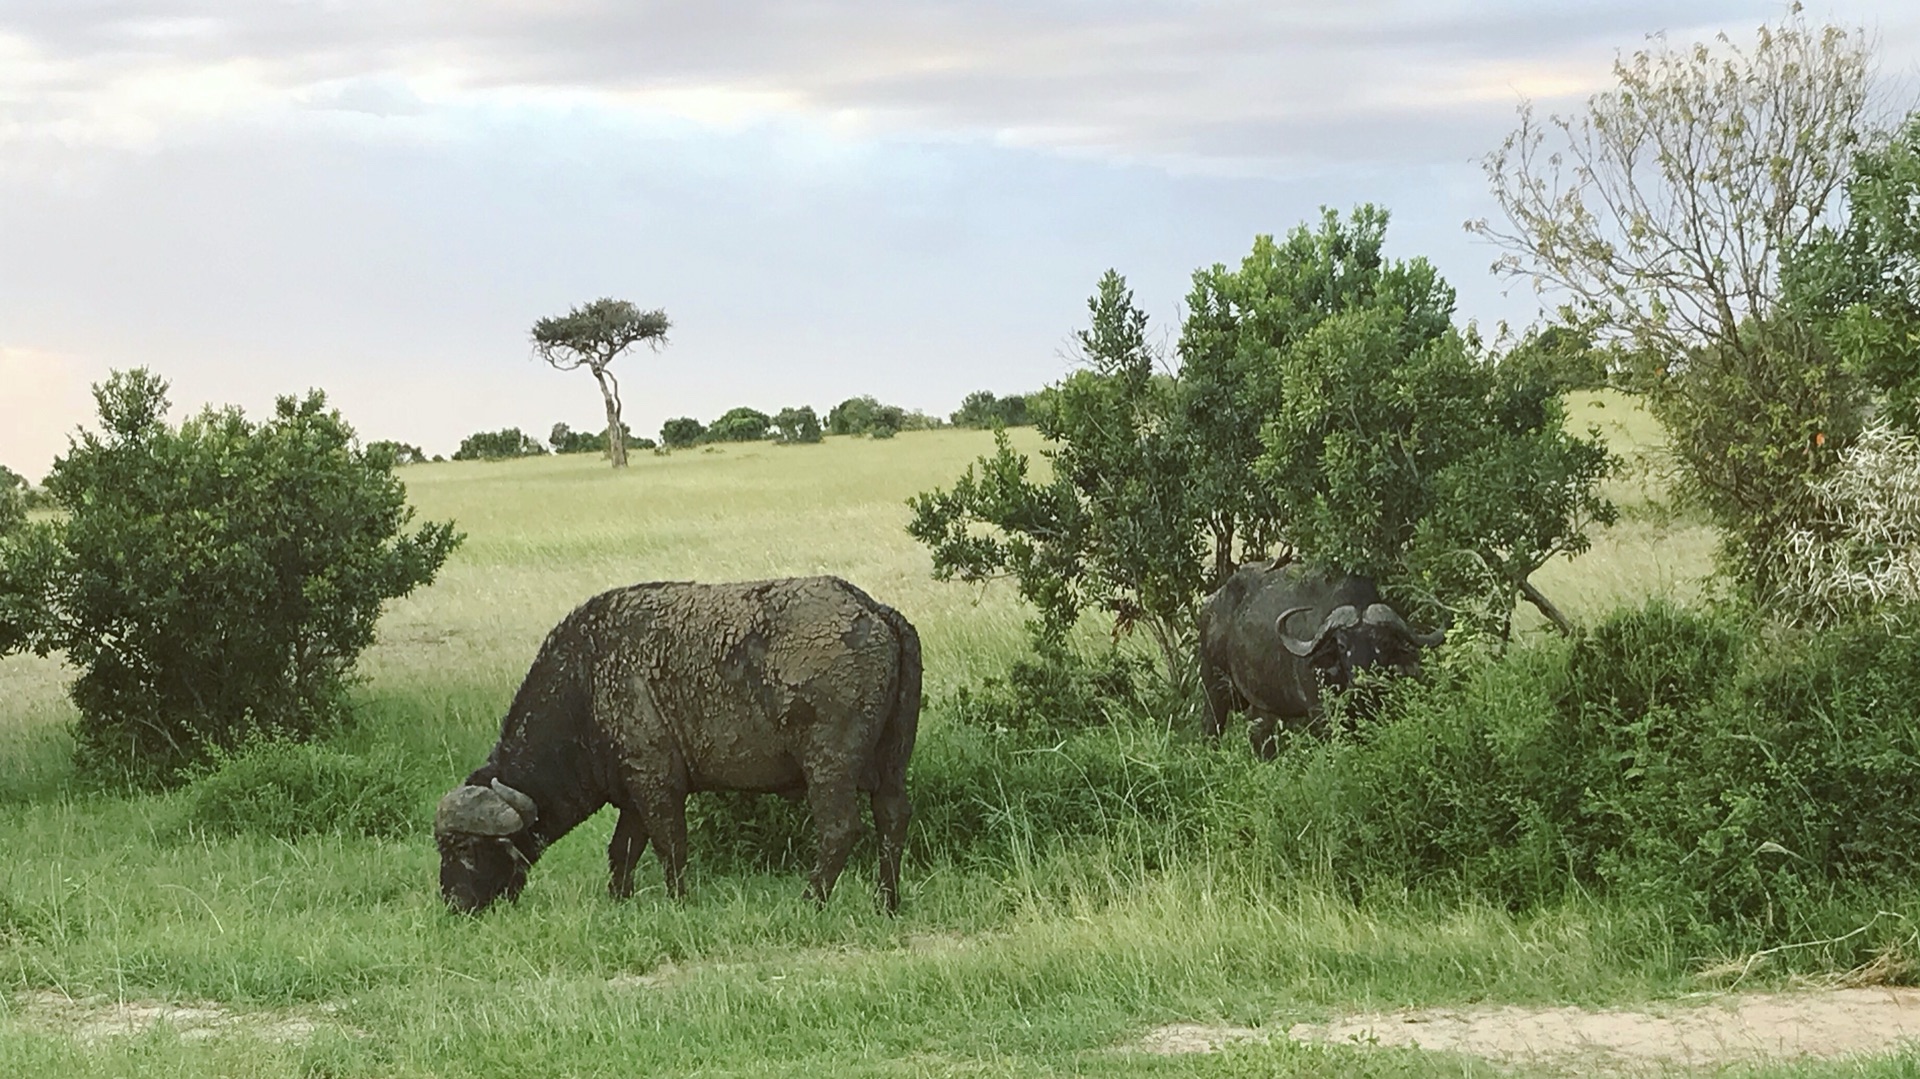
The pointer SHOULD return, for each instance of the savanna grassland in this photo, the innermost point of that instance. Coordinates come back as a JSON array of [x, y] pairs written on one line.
[[1062, 897]]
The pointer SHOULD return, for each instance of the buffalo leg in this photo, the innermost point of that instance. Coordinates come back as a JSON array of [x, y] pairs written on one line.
[[629, 840], [836, 819], [1219, 698], [891, 811], [666, 818]]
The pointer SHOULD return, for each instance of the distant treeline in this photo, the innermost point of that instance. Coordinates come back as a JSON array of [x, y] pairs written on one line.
[[864, 416]]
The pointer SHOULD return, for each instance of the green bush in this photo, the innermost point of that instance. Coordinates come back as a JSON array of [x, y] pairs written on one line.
[[287, 790], [1753, 792], [865, 415], [982, 409], [212, 582], [565, 439], [13, 500], [798, 425], [741, 424], [681, 432], [1056, 689], [403, 453]]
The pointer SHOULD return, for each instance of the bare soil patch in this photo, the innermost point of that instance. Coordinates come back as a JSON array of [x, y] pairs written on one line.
[[96, 1019], [1729, 1029]]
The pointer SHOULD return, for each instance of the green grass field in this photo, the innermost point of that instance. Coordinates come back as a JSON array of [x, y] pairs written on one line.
[[1016, 952]]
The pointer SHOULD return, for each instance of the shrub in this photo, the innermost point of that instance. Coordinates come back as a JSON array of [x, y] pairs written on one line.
[[565, 439], [13, 502], [681, 431], [285, 790], [1860, 548], [797, 425], [740, 425], [211, 582], [498, 445], [982, 409], [1559, 357], [1752, 794], [867, 416], [403, 453], [1057, 689]]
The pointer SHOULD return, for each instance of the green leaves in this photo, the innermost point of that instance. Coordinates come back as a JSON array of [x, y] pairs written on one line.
[[1861, 282], [595, 332], [1394, 450], [1115, 527], [798, 425], [213, 581], [501, 445], [1323, 400]]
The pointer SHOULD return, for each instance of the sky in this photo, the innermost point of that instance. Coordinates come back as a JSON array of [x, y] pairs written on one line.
[[828, 198]]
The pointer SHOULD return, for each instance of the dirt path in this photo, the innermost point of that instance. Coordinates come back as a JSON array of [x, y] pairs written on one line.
[[95, 1019], [1747, 1027]]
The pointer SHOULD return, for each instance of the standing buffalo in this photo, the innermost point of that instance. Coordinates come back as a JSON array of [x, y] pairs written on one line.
[[800, 687], [1272, 637]]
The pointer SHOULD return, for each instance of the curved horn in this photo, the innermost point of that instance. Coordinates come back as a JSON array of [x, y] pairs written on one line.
[[1344, 617], [1295, 645], [1379, 614], [475, 810], [520, 802]]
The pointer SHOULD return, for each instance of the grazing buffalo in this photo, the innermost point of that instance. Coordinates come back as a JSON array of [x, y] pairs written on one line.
[[1274, 635], [803, 687]]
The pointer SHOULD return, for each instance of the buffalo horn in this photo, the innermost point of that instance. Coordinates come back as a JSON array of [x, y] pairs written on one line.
[[520, 802], [1379, 614], [1343, 617], [475, 810]]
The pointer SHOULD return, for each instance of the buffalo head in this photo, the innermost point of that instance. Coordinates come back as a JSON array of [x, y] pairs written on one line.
[[480, 861], [1350, 642]]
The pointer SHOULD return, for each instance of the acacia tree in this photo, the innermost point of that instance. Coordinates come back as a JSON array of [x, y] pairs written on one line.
[[1664, 214], [592, 336]]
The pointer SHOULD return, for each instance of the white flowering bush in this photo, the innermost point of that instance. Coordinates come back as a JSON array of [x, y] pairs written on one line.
[[1862, 550]]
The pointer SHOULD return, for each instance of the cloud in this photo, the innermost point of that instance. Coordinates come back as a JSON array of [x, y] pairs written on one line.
[[1241, 84]]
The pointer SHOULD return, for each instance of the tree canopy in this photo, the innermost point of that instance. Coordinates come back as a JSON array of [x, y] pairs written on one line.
[[593, 335], [1326, 402], [1667, 216]]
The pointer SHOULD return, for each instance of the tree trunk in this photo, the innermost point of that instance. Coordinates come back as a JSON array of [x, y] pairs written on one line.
[[616, 438], [1223, 565], [1179, 663], [1560, 621]]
